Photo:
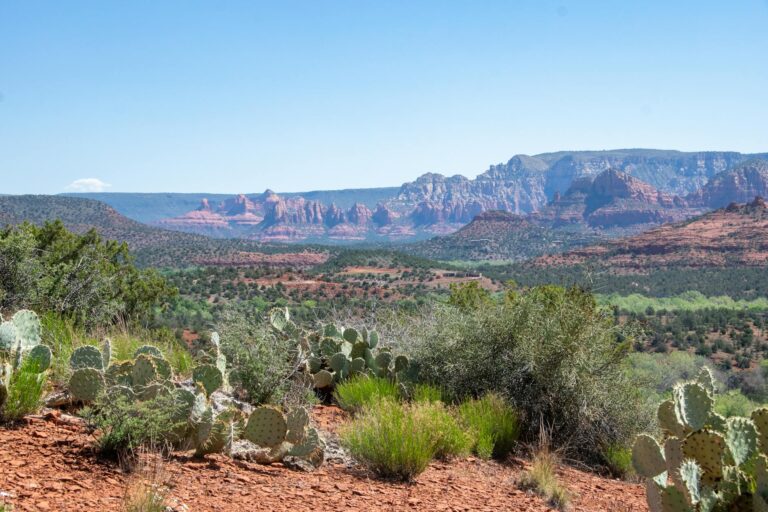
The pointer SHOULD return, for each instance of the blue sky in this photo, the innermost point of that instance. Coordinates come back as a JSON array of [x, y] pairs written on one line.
[[232, 96]]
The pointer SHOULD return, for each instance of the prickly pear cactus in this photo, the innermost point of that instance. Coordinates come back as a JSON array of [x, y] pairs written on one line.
[[144, 371], [707, 463], [106, 353], [209, 377], [266, 427], [41, 355], [7, 336], [28, 330], [86, 384], [148, 350], [86, 357]]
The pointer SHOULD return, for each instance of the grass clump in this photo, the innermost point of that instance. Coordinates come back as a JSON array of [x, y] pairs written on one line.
[[357, 393], [493, 423], [25, 391], [127, 426], [397, 440], [426, 393], [148, 488], [541, 479]]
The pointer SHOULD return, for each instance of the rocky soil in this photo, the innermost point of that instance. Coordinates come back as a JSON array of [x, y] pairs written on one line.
[[47, 463]]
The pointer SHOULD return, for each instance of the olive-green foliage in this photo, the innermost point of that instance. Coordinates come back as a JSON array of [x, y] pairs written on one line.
[[494, 425], [127, 424], [83, 277], [468, 296], [399, 440], [261, 363], [25, 390], [359, 392], [551, 352]]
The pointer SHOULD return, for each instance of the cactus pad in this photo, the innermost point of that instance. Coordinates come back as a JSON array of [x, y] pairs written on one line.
[[401, 364], [86, 357], [338, 362], [86, 384], [41, 354], [163, 368], [323, 379], [266, 427], [383, 360], [28, 331], [693, 405], [149, 350], [330, 330], [690, 476], [668, 419], [357, 365], [314, 364], [120, 374], [106, 352], [647, 457], [351, 335], [741, 438], [328, 347], [7, 336], [707, 449], [279, 318], [760, 419], [373, 339], [707, 380], [297, 421], [311, 448], [144, 371], [209, 377]]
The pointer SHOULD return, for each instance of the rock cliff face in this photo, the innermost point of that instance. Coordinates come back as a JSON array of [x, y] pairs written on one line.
[[738, 185], [593, 189], [613, 199]]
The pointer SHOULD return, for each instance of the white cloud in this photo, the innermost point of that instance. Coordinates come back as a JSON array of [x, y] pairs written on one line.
[[88, 185]]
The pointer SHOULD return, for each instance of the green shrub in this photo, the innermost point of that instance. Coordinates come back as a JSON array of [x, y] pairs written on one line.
[[127, 425], [25, 391], [541, 478], [426, 393], [493, 423], [553, 353], [391, 439], [261, 363], [354, 394], [618, 460], [733, 403]]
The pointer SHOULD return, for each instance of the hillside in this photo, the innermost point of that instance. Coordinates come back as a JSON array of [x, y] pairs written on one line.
[[151, 245], [738, 185], [497, 235], [735, 236]]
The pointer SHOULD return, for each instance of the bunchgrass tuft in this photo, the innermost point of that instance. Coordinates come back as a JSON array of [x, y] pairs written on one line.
[[397, 440], [25, 391], [541, 479], [493, 423], [354, 394], [148, 488]]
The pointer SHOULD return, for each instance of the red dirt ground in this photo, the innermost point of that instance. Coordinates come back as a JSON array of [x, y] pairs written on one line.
[[47, 465]]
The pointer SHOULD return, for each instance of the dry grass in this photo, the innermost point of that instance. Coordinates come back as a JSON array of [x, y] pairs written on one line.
[[541, 478], [149, 486]]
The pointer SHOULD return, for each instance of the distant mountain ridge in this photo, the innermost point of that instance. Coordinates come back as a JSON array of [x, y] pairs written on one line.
[[556, 188]]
